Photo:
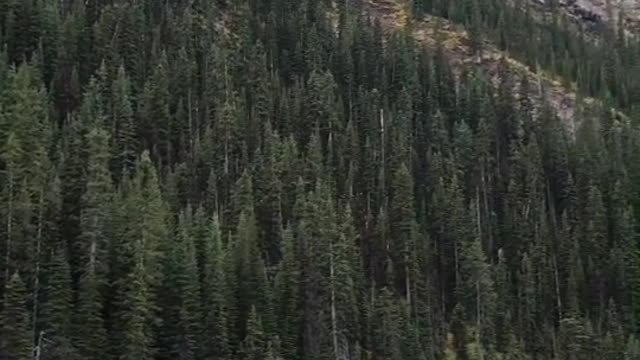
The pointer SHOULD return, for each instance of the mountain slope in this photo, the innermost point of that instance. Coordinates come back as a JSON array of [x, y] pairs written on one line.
[[598, 13], [394, 15]]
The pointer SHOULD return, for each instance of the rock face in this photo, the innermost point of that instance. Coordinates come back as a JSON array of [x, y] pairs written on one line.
[[595, 12]]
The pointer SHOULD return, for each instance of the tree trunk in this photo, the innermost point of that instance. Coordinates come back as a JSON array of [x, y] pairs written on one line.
[[36, 281], [478, 322], [334, 330], [7, 259]]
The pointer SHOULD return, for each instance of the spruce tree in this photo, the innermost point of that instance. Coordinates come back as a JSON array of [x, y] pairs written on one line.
[[137, 271], [387, 330], [180, 303], [57, 309], [254, 346], [214, 291], [287, 292], [123, 129], [16, 343], [403, 229], [89, 334], [56, 315]]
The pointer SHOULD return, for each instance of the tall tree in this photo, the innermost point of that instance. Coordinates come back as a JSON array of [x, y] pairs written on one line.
[[16, 341]]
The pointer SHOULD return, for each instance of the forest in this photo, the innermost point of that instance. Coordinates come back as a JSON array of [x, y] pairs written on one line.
[[292, 180]]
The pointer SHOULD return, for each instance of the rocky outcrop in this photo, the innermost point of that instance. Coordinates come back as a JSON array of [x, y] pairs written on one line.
[[392, 15], [597, 13]]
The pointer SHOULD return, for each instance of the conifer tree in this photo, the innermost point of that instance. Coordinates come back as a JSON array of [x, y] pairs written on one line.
[[123, 129], [249, 269], [16, 335], [180, 304], [254, 346], [403, 229], [268, 196], [155, 114], [477, 283], [387, 332], [287, 292], [57, 309], [94, 216], [138, 258], [89, 334], [214, 292]]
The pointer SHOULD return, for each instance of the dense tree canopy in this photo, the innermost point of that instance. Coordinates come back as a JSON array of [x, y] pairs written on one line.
[[279, 179]]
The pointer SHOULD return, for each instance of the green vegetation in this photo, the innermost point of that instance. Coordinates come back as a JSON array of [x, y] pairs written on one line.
[[279, 179]]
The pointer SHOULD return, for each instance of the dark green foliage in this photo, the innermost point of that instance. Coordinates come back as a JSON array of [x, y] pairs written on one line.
[[56, 309], [180, 303], [292, 180], [16, 343], [124, 142], [214, 291]]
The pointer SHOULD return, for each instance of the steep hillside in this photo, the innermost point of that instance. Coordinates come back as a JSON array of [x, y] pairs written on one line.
[[595, 13], [291, 180], [393, 15]]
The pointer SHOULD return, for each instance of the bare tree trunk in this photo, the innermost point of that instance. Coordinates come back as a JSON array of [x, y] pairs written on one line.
[[38, 349], [557, 281], [382, 180], [478, 322], [478, 220], [7, 259], [191, 132], [455, 260], [36, 284], [407, 280], [486, 208], [334, 329]]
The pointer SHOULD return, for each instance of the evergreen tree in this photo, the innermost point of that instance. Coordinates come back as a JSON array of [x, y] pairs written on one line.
[[316, 184], [214, 291], [254, 346], [137, 271], [287, 291], [123, 129], [403, 229], [16, 341], [181, 310], [56, 310], [90, 337], [387, 331]]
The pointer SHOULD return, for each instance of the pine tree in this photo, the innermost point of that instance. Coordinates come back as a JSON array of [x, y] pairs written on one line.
[[268, 196], [249, 269], [254, 346], [287, 291], [403, 229], [137, 341], [16, 341], [181, 310], [458, 329], [214, 291], [345, 287], [155, 114], [123, 129], [138, 257], [387, 331], [477, 284], [90, 337], [95, 203], [319, 227], [56, 315], [57, 309]]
